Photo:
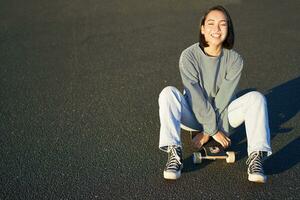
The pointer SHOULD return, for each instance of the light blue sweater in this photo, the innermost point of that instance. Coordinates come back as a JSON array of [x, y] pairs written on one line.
[[210, 84]]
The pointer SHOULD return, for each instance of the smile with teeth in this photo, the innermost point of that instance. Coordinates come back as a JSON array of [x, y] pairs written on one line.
[[215, 35]]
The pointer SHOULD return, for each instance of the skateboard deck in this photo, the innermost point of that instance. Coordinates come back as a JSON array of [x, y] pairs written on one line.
[[212, 150]]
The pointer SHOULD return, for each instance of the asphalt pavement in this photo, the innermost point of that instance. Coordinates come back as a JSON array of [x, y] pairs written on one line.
[[79, 84]]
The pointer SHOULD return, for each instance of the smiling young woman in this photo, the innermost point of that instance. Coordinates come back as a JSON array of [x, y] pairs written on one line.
[[225, 25], [210, 72], [214, 30]]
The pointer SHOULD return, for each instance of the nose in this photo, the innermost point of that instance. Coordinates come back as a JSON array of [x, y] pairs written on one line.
[[217, 28]]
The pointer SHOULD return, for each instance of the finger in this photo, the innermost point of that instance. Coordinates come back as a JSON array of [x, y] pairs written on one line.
[[222, 143], [226, 143], [200, 144], [229, 141], [197, 146]]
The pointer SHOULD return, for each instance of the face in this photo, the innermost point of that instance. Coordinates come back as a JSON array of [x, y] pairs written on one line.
[[215, 28]]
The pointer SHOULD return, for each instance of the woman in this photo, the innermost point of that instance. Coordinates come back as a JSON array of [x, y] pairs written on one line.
[[210, 72]]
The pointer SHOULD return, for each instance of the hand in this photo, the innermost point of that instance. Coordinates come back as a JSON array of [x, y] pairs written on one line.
[[221, 138], [199, 140]]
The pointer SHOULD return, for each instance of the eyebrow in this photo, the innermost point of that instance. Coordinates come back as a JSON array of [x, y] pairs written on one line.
[[223, 20]]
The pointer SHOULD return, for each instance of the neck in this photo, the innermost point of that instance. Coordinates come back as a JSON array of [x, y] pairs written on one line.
[[213, 50]]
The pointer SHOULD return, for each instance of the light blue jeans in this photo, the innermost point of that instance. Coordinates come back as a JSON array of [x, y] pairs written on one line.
[[251, 109]]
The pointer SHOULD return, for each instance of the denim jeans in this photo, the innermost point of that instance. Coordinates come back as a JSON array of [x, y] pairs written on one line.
[[251, 109]]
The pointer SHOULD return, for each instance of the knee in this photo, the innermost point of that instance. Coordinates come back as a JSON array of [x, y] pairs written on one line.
[[168, 94], [257, 97]]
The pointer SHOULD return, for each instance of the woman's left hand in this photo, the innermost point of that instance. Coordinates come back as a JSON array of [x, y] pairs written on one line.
[[221, 138]]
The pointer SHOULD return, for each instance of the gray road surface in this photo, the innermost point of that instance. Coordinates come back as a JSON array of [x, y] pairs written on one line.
[[79, 82]]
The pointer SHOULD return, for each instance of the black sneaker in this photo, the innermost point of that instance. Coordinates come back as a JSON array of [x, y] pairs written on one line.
[[174, 165], [255, 167]]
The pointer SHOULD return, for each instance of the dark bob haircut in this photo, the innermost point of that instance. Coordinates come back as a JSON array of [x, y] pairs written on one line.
[[229, 40]]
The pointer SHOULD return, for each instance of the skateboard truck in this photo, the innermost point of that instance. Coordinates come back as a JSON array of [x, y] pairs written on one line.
[[210, 152]]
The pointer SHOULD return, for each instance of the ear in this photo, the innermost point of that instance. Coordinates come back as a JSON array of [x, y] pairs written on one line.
[[202, 29]]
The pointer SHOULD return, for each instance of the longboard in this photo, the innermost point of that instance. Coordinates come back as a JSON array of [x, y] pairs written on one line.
[[212, 150]]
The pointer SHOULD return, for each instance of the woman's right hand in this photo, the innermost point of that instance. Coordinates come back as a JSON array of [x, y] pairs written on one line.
[[221, 138], [199, 140]]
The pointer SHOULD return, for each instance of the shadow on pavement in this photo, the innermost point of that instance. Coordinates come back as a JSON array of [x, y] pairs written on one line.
[[283, 104], [284, 159]]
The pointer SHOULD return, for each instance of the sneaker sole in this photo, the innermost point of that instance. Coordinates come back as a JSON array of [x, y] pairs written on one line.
[[171, 175], [257, 178]]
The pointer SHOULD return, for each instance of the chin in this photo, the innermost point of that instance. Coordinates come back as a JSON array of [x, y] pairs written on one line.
[[216, 43]]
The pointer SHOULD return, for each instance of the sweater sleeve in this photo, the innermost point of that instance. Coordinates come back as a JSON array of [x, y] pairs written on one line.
[[201, 107], [228, 86]]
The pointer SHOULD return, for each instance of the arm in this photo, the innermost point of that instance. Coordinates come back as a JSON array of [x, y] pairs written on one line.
[[228, 86], [201, 107]]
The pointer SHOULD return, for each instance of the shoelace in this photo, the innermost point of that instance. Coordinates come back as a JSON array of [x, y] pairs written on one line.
[[255, 163], [174, 160]]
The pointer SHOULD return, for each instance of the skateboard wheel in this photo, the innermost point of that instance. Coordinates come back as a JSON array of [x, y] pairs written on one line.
[[197, 158], [230, 157]]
